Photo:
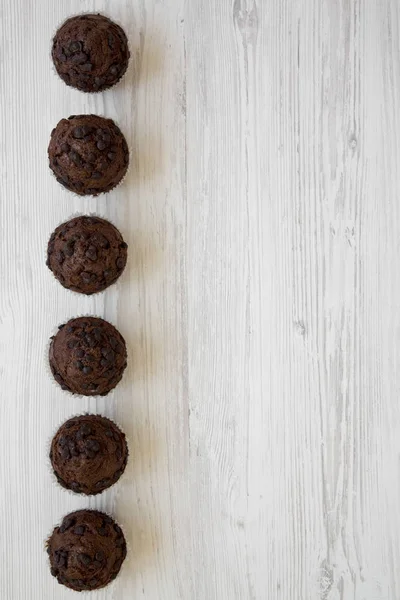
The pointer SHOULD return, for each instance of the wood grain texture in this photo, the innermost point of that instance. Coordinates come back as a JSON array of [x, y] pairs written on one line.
[[260, 303]]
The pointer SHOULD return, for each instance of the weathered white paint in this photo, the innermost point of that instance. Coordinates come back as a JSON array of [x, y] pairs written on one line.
[[260, 305]]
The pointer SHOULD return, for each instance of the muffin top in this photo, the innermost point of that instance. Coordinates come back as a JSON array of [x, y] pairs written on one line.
[[88, 154], [88, 454], [86, 254], [86, 551], [90, 52], [87, 356]]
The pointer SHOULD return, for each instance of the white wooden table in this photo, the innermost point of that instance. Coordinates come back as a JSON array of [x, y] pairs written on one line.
[[261, 303]]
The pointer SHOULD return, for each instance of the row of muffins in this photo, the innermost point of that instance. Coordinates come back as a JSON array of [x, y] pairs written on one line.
[[88, 155]]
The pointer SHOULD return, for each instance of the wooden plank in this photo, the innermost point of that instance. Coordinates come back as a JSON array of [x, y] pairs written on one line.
[[260, 302]]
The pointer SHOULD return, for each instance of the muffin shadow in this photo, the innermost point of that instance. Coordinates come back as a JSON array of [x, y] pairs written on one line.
[[143, 355], [139, 518], [146, 146], [144, 258]]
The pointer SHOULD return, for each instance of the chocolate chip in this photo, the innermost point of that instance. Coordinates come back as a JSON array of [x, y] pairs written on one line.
[[65, 453], [99, 556], [83, 431], [87, 370], [70, 329], [70, 424], [92, 158], [78, 133], [90, 358], [66, 524], [72, 343], [60, 557], [120, 263], [92, 445], [109, 433], [120, 542], [113, 342], [69, 248], [79, 59], [79, 365], [99, 81], [97, 334], [111, 41], [87, 67], [65, 147], [80, 353], [104, 362], [75, 486], [114, 69], [85, 559], [102, 531], [123, 245], [80, 530], [109, 374], [108, 353], [75, 47], [107, 273], [96, 175], [85, 276], [54, 571], [93, 583], [111, 155], [90, 340], [118, 474], [91, 253], [76, 159], [101, 145], [62, 441]]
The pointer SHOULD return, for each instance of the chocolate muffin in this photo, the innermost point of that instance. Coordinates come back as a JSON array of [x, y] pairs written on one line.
[[88, 154], [90, 52], [88, 454], [86, 254], [87, 356], [86, 551]]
